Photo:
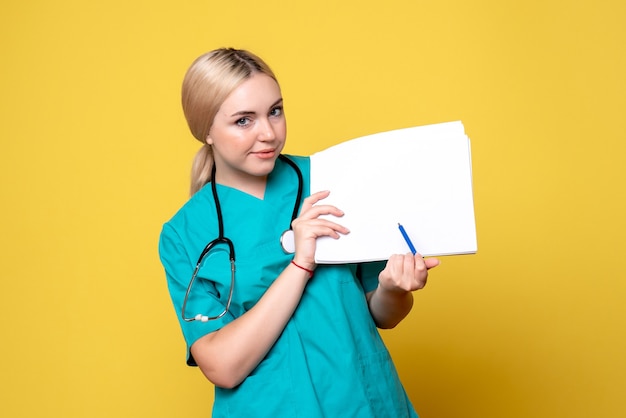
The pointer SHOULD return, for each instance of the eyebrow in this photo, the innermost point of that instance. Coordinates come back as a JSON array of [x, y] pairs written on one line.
[[250, 112]]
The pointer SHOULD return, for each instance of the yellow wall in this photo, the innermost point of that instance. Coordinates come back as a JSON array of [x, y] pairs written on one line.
[[95, 156]]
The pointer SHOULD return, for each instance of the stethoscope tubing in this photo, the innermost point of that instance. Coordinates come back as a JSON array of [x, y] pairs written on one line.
[[222, 239]]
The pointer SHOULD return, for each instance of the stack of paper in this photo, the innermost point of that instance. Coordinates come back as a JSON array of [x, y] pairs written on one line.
[[420, 177]]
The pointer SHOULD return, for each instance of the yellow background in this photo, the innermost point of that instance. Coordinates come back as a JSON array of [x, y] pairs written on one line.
[[95, 157]]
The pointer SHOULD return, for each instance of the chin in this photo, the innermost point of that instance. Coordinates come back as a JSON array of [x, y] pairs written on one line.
[[264, 169]]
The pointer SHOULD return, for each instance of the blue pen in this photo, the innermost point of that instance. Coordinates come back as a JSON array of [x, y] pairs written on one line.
[[407, 239]]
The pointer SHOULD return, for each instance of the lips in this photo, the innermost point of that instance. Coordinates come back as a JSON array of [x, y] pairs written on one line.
[[266, 153]]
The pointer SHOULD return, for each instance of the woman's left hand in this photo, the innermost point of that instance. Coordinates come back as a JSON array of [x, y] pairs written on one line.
[[393, 298], [406, 272]]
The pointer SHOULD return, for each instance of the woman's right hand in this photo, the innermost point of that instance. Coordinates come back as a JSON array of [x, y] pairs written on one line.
[[308, 226]]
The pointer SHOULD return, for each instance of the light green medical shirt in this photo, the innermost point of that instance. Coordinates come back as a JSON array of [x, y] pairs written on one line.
[[330, 360]]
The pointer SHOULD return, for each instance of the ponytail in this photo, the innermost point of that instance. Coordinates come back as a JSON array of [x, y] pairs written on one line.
[[201, 168]]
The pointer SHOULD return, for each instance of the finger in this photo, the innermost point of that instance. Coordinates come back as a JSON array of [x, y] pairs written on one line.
[[398, 263], [428, 262], [410, 263], [431, 262], [319, 210], [321, 227], [314, 198]]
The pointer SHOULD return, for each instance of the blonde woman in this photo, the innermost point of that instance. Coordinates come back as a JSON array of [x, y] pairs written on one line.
[[278, 335]]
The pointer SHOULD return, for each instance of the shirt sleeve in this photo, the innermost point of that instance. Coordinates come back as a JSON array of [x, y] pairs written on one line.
[[179, 267]]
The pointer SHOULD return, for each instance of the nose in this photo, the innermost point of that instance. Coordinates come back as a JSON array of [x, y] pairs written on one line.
[[266, 130]]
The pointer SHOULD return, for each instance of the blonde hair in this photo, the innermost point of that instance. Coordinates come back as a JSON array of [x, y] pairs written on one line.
[[210, 79]]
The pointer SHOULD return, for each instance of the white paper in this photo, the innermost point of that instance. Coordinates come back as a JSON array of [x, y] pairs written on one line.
[[420, 177]]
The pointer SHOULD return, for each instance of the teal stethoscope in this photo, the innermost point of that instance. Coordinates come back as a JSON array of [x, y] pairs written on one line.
[[286, 241]]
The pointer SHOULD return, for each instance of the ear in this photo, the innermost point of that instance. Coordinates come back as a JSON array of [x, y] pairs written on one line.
[[209, 140]]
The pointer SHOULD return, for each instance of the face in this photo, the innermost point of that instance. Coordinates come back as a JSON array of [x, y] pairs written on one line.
[[248, 133]]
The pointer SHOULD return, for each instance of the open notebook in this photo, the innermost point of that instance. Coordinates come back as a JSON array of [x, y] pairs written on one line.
[[420, 177]]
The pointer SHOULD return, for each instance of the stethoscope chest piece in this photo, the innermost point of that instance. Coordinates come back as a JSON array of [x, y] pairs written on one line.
[[288, 242]]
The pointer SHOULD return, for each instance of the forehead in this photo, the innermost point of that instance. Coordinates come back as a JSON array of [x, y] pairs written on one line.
[[259, 92]]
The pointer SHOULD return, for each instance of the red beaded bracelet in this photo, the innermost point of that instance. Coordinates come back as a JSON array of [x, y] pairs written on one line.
[[302, 268]]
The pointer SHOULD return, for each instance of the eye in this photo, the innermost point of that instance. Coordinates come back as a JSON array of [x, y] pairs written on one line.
[[242, 122], [276, 111]]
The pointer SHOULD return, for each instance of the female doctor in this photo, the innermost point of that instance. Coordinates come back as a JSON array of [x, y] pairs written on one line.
[[276, 334]]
